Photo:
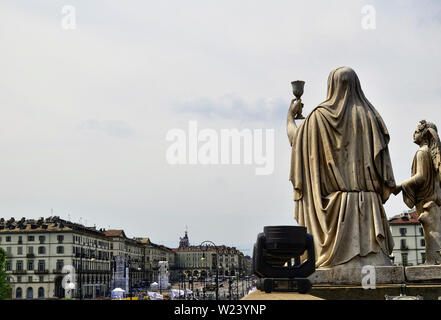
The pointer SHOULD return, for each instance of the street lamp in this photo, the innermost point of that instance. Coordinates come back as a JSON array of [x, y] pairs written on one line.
[[204, 244]]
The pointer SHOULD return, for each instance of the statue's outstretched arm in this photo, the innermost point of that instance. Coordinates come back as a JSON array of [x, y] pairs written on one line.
[[417, 180], [291, 127], [421, 173]]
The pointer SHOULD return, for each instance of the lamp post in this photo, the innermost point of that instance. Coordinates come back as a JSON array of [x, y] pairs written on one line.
[[204, 244]]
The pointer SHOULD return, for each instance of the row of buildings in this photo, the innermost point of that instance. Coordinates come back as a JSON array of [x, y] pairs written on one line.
[[44, 256]]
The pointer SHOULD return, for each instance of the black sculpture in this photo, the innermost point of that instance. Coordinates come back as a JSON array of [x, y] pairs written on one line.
[[273, 256]]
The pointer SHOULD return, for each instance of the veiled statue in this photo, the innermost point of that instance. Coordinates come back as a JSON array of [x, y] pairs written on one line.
[[423, 189], [342, 175]]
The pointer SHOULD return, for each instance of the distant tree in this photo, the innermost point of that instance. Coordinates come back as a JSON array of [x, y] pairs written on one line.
[[5, 289]]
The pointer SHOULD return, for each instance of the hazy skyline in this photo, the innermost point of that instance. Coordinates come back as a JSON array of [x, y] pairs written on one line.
[[85, 112]]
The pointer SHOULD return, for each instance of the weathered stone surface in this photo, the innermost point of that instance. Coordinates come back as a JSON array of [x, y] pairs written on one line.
[[423, 273], [260, 295], [341, 275], [352, 292]]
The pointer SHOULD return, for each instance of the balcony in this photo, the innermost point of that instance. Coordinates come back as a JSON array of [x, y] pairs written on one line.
[[41, 271], [30, 255], [19, 271], [56, 271]]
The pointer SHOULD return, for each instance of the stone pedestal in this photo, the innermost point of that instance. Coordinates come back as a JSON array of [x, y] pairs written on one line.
[[342, 275], [423, 274]]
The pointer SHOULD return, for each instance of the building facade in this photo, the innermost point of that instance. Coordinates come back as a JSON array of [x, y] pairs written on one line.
[[408, 235], [129, 252], [202, 262], [40, 253]]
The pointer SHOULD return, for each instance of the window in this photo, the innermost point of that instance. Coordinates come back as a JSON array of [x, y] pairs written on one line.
[[31, 265], [40, 292], [41, 278], [31, 238], [8, 266], [60, 238], [20, 240], [9, 251], [421, 231], [19, 250], [18, 293], [403, 231], [404, 259], [30, 279], [8, 239], [19, 279], [41, 250], [30, 250], [60, 264], [19, 265], [60, 249], [41, 265], [29, 293], [403, 244], [42, 239]]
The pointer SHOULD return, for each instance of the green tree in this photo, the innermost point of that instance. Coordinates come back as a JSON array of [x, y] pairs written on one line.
[[4, 284]]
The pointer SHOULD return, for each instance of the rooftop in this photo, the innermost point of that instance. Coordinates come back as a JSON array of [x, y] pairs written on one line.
[[54, 224], [405, 218]]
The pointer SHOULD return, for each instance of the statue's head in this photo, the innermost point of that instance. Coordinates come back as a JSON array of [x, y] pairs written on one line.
[[342, 79], [424, 132]]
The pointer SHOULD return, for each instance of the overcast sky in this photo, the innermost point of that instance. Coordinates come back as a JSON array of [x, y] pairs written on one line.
[[85, 112]]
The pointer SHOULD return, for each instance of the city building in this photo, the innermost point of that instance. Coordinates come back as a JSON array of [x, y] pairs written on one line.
[[37, 251], [155, 253], [408, 235], [201, 262], [46, 254], [131, 254]]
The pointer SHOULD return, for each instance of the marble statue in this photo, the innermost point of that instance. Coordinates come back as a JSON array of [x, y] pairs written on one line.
[[423, 189], [342, 175]]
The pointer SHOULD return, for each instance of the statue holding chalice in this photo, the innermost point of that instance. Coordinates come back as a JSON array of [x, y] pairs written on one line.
[[297, 89], [341, 174], [295, 108]]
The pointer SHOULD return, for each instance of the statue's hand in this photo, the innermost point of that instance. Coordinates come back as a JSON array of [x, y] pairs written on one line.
[[295, 107]]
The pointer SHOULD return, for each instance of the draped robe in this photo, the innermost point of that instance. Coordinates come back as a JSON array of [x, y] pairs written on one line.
[[342, 174]]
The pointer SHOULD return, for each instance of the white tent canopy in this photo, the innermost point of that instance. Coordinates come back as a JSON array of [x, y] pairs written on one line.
[[118, 293]]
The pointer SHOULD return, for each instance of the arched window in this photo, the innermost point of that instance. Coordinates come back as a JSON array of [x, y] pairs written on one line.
[[29, 293], [41, 292], [18, 293]]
